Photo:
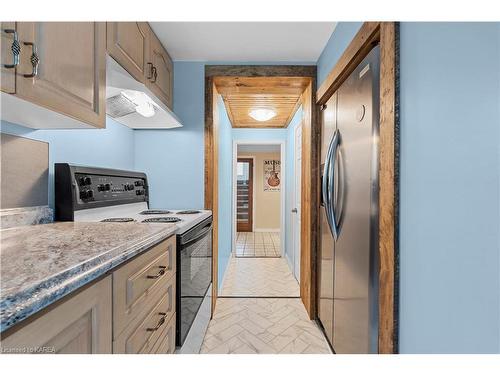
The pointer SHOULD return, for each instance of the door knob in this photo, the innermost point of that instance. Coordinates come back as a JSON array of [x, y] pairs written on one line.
[[294, 210]]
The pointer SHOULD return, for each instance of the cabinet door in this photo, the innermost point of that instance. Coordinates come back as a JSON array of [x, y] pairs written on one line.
[[161, 82], [71, 76], [7, 75], [81, 324], [128, 44]]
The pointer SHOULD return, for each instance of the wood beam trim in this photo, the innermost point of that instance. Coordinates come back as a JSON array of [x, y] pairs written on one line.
[[388, 304], [362, 43], [295, 108], [260, 70]]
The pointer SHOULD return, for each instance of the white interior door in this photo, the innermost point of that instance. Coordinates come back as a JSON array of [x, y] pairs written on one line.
[[296, 212]]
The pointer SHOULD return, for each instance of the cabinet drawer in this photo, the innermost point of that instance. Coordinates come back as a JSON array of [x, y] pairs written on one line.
[[141, 334], [136, 282], [166, 342]]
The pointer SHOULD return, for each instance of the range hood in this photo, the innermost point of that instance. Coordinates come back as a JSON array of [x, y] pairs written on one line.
[[131, 103]]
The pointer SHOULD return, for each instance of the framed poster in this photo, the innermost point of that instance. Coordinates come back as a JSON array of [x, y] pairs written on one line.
[[272, 175]]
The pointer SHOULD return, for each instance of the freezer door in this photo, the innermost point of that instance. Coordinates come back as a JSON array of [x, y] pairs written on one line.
[[355, 265], [325, 279], [329, 124]]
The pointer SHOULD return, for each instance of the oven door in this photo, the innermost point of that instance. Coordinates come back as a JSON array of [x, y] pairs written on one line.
[[194, 275]]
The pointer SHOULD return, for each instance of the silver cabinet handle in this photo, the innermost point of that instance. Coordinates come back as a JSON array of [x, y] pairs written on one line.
[[160, 273], [15, 48], [34, 59], [155, 74], [150, 71], [159, 324]]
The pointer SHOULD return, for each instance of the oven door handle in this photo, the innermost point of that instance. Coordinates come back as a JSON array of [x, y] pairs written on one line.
[[194, 239]]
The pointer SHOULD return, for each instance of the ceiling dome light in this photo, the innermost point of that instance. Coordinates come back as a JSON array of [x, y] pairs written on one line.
[[262, 114]]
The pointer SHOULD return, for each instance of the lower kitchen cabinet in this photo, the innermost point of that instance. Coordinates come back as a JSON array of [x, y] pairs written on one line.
[[144, 302], [130, 311], [78, 325]]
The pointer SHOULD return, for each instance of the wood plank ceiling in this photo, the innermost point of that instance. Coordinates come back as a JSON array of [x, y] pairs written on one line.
[[243, 94]]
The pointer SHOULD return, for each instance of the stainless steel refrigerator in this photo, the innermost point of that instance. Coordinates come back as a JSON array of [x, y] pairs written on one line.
[[348, 271]]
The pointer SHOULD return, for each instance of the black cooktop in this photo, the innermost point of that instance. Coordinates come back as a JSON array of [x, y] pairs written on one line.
[[155, 212], [169, 219], [188, 212], [118, 220]]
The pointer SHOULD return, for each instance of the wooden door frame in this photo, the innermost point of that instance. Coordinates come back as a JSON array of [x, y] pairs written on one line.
[[250, 195], [386, 35], [310, 165], [281, 144]]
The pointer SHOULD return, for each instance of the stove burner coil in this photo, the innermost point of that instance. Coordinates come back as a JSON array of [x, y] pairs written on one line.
[[188, 212], [162, 220], [155, 212], [117, 220]]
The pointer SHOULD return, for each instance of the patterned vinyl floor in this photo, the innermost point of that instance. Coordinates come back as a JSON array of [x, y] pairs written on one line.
[[258, 244], [259, 312]]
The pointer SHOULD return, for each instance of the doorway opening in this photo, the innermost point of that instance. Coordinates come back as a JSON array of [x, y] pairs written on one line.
[[258, 200]]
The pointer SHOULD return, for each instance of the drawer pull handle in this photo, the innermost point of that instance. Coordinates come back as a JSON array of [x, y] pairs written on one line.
[[159, 324], [160, 273]]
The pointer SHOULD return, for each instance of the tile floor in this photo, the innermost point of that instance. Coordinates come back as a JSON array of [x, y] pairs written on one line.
[[262, 326], [258, 244], [259, 277], [250, 319]]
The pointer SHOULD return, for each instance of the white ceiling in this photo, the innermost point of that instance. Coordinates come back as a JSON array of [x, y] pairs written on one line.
[[244, 41]]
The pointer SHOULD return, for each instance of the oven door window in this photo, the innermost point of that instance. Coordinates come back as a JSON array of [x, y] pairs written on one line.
[[196, 276]]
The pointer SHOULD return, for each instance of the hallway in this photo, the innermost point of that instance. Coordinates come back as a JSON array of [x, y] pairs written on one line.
[[258, 244], [259, 311]]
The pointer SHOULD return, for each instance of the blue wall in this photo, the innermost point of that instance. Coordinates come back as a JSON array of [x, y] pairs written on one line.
[[225, 189], [174, 159], [290, 180], [449, 237], [449, 223], [112, 147], [340, 39]]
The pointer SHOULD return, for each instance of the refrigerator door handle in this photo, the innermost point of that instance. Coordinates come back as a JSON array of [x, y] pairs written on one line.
[[331, 182], [325, 186]]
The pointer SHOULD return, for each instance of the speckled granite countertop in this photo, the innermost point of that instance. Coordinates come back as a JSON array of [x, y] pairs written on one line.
[[40, 264]]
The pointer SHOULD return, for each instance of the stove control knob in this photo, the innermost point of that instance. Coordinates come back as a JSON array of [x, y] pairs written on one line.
[[131, 186], [81, 181], [139, 183], [90, 194], [107, 187], [100, 187], [139, 192], [84, 194], [88, 181]]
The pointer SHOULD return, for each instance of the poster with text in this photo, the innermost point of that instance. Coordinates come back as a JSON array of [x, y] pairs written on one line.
[[272, 175]]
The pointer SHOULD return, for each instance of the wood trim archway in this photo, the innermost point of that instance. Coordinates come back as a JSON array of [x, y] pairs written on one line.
[[386, 35], [371, 33], [310, 164]]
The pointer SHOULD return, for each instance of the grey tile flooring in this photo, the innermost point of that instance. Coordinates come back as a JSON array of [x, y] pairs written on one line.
[[258, 244]]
